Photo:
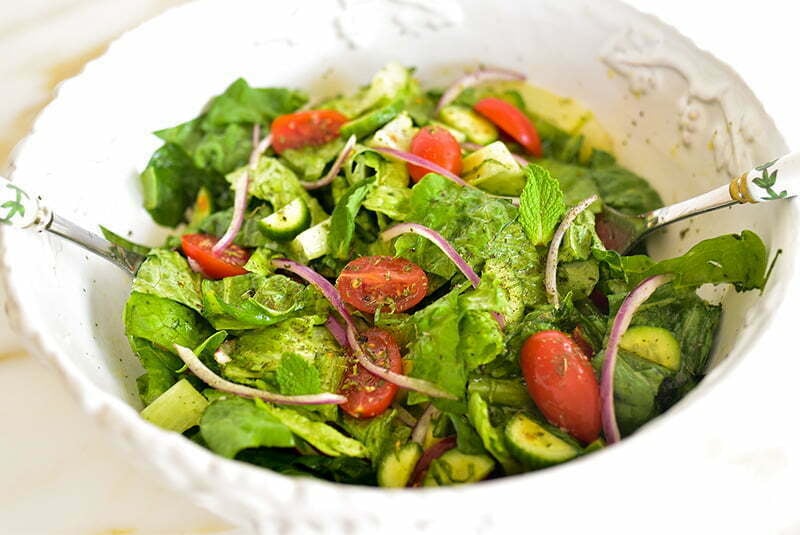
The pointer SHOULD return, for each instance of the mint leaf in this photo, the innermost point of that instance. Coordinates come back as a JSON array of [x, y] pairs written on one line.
[[343, 219], [231, 425], [541, 205], [296, 376]]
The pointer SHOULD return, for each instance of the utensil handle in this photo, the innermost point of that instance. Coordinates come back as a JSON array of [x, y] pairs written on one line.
[[778, 179], [20, 209]]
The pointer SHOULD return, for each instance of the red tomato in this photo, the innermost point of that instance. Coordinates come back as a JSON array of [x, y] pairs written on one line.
[[368, 395], [437, 145], [391, 284], [562, 383], [512, 121], [309, 128], [229, 263]]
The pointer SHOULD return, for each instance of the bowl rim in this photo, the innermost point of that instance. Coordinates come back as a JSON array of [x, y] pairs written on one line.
[[124, 421]]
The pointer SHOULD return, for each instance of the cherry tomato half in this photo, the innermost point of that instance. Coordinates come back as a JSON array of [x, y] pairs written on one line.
[[562, 383], [512, 121], [436, 144], [368, 395], [229, 263], [309, 128], [391, 284]]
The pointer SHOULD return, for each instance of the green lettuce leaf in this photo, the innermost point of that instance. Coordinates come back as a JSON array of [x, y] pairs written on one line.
[[343, 219], [163, 322], [167, 274], [231, 425], [160, 369], [541, 205], [468, 218], [379, 434], [251, 300], [320, 435], [492, 438], [310, 162], [241, 103]]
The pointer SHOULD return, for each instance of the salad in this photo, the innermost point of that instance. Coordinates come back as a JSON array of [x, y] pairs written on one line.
[[404, 287]]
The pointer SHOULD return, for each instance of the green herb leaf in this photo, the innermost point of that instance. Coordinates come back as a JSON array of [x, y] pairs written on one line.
[[541, 205], [296, 376]]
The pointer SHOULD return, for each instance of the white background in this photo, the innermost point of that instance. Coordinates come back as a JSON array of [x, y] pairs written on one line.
[[58, 474]]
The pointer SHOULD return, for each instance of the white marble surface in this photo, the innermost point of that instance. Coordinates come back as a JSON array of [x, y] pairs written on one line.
[[60, 474]]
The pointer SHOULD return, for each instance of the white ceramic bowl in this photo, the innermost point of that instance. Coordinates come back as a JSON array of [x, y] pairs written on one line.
[[679, 117]]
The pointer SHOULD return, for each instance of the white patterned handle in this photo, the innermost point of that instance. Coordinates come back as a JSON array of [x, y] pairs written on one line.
[[17, 207], [778, 179]]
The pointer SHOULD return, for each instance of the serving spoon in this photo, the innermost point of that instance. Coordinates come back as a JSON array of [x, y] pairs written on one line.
[[21, 210], [778, 179]]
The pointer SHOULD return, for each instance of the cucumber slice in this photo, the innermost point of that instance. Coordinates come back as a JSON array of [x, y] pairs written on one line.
[[287, 222], [394, 469], [177, 409], [534, 445], [396, 134], [368, 123], [312, 243], [454, 467], [494, 169], [476, 128], [654, 344]]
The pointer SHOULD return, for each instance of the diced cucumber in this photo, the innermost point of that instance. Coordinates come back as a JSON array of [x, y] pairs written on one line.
[[459, 136], [534, 445], [177, 409], [454, 467], [476, 128], [494, 169], [368, 123], [394, 469], [595, 445], [396, 134], [654, 344], [287, 222], [312, 243]]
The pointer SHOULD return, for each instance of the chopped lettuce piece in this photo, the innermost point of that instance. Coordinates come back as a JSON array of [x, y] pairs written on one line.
[[167, 274], [163, 322], [310, 162], [343, 219], [250, 301], [232, 424]]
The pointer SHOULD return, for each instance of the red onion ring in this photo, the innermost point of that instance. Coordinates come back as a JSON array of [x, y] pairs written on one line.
[[337, 165], [428, 456], [424, 422], [475, 78], [337, 330], [622, 320], [551, 263], [240, 200], [439, 241], [215, 381]]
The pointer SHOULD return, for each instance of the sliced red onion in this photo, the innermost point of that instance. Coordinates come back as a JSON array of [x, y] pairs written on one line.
[[423, 424], [403, 381], [428, 456], [472, 147], [215, 381], [419, 161], [240, 200], [475, 78], [321, 283], [622, 320], [439, 241], [337, 330], [551, 264], [337, 165]]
